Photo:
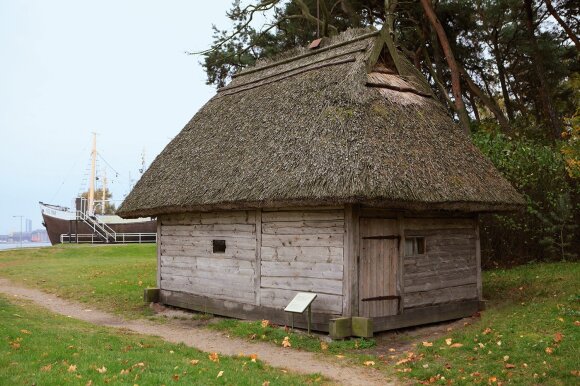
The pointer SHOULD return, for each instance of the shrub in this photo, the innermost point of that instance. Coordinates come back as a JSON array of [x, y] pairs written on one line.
[[546, 229]]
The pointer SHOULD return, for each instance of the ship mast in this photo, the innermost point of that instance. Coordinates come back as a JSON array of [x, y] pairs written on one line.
[[91, 208], [104, 191]]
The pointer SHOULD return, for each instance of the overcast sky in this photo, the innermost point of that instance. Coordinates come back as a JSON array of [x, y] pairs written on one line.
[[72, 67]]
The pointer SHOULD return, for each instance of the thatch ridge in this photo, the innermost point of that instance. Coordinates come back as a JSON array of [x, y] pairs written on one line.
[[311, 132]]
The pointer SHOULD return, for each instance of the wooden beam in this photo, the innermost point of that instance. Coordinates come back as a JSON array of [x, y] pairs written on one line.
[[478, 260], [159, 224], [351, 253], [424, 315], [320, 321], [401, 263], [258, 266]]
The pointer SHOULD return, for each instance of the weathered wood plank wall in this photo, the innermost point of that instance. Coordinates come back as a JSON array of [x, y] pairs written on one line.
[[302, 250], [448, 270], [187, 261]]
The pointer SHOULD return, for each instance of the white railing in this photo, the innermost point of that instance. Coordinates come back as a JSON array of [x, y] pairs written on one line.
[[121, 238], [98, 227]]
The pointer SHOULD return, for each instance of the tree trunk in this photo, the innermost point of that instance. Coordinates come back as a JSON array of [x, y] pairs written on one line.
[[474, 106], [563, 24], [488, 102], [501, 73], [455, 77], [548, 112], [438, 82]]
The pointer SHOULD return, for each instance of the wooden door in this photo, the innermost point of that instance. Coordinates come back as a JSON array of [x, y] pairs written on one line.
[[379, 259]]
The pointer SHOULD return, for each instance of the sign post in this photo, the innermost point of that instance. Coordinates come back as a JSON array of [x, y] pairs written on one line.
[[301, 302]]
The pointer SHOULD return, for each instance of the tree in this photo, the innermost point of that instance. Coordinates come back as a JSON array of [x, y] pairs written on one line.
[[509, 58], [108, 208], [454, 69]]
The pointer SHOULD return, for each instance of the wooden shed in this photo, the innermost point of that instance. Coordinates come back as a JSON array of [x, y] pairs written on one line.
[[331, 170]]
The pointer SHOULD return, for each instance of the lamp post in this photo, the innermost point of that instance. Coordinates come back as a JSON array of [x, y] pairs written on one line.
[[20, 229]]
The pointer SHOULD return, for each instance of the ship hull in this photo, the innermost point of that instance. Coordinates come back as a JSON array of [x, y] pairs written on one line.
[[61, 222]]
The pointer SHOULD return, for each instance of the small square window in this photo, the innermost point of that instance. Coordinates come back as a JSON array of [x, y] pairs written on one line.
[[414, 245], [219, 246]]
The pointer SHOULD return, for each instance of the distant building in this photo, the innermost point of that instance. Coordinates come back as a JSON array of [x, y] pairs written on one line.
[[39, 236], [28, 228]]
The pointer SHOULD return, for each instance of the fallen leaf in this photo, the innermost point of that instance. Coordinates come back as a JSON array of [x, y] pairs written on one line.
[[323, 346], [405, 370], [46, 368], [15, 345], [549, 350], [194, 362], [72, 368], [506, 358], [392, 350], [561, 319], [476, 374], [369, 363], [286, 342], [575, 373], [125, 372], [220, 373], [427, 344], [253, 357], [486, 331], [266, 383], [510, 366], [498, 342], [265, 323], [456, 345], [492, 379], [214, 357], [448, 341], [89, 383], [26, 332], [102, 370], [339, 356], [577, 323], [402, 361], [426, 366], [175, 377], [481, 345], [558, 337], [140, 364]]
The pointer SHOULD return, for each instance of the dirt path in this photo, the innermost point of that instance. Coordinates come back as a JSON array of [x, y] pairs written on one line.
[[205, 340]]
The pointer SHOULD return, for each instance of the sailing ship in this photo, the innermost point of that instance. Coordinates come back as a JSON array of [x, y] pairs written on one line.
[[85, 225]]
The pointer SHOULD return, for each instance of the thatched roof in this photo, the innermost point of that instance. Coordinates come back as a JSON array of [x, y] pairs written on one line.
[[348, 122]]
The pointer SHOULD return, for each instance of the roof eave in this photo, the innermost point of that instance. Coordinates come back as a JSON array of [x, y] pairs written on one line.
[[448, 206]]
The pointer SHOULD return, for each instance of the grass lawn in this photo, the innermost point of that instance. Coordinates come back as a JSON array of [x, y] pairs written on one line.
[[110, 278], [529, 334], [40, 348]]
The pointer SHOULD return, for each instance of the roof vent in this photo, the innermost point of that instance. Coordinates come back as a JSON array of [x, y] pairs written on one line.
[[315, 44]]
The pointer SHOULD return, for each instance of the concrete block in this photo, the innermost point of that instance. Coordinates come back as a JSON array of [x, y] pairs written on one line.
[[340, 328], [362, 327], [151, 295]]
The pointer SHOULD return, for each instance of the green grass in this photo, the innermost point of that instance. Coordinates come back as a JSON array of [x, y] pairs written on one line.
[[529, 308], [298, 340], [110, 278], [37, 347], [528, 335]]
